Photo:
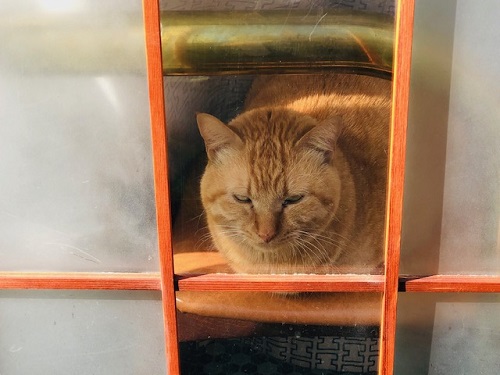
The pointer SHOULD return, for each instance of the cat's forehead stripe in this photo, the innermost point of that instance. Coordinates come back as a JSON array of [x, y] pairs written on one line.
[[270, 137], [268, 162]]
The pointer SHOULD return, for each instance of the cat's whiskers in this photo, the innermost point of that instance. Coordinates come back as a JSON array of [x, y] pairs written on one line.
[[344, 242], [204, 240], [341, 242], [234, 233], [328, 255], [319, 238], [197, 217], [317, 254]]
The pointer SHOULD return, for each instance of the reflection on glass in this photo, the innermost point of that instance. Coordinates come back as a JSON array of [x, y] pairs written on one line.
[[75, 156], [447, 334], [61, 332], [299, 337], [451, 220], [284, 41]]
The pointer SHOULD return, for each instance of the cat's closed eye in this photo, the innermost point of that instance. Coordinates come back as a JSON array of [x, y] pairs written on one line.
[[241, 198], [292, 199]]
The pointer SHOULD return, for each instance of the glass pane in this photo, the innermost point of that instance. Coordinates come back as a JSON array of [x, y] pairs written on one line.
[[276, 205], [259, 333], [448, 334], [75, 154], [63, 332], [452, 206]]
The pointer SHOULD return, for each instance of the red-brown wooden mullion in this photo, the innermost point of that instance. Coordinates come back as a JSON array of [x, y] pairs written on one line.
[[400, 96], [160, 165]]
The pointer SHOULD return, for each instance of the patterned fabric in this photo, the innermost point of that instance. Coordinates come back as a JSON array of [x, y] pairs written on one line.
[[336, 353], [282, 355]]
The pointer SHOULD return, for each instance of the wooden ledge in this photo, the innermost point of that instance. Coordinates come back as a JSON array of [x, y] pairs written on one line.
[[450, 284], [80, 280]]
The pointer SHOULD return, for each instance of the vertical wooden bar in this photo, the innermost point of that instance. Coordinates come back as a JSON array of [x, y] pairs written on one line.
[[159, 140], [400, 97]]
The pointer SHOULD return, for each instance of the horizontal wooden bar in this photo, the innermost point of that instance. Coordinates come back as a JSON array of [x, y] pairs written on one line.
[[337, 283], [451, 284], [243, 282], [80, 280], [281, 283]]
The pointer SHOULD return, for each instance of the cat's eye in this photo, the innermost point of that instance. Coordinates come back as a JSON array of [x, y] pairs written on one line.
[[292, 199], [241, 198]]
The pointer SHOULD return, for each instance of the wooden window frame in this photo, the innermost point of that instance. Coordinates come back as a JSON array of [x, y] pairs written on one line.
[[390, 284]]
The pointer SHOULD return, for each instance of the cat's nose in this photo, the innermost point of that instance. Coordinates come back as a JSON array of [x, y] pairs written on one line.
[[266, 225], [267, 235]]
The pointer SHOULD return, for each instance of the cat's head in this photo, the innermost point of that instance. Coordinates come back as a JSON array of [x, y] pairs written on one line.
[[270, 188]]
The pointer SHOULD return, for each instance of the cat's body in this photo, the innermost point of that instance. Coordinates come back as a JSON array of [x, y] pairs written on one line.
[[297, 182]]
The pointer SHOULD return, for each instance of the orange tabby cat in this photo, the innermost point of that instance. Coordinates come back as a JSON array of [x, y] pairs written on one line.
[[297, 182]]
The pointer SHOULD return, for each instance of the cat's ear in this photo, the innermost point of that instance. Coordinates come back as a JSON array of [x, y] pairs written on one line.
[[323, 137], [218, 136]]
